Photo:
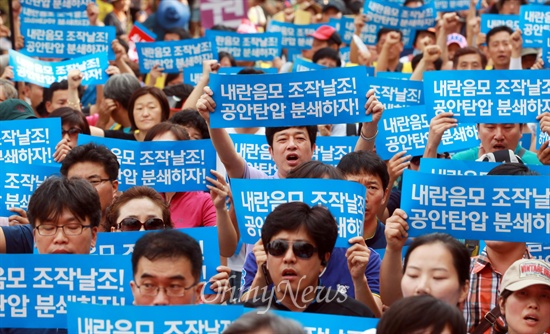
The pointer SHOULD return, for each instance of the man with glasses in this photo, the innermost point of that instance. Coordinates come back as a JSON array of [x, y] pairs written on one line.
[[298, 242], [99, 166], [167, 267]]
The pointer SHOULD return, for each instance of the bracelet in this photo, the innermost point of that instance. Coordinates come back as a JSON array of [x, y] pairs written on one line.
[[74, 105], [368, 139]]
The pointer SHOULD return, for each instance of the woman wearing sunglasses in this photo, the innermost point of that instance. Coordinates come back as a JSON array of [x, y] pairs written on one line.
[[298, 242], [138, 209], [73, 123]]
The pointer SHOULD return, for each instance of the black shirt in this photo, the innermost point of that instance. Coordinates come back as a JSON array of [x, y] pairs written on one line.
[[328, 301]]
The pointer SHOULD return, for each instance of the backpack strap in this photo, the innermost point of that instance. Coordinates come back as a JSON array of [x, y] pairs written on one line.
[[488, 321], [521, 152]]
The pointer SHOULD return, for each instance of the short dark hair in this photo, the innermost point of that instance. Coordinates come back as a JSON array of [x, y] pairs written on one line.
[[137, 192], [416, 59], [253, 321], [250, 70], [409, 1], [177, 130], [318, 222], [168, 244], [327, 53], [95, 153], [223, 54], [271, 131], [182, 33], [513, 168], [48, 92], [181, 91], [364, 162], [384, 31], [191, 118], [120, 88], [414, 314], [72, 117], [459, 252], [314, 169], [496, 30], [57, 194], [466, 51], [158, 94]]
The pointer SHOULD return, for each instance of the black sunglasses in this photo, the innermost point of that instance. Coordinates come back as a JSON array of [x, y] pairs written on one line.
[[301, 249], [134, 224]]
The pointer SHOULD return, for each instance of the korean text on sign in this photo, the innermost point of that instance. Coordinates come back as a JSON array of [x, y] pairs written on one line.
[[174, 56], [250, 47], [322, 97], [507, 208]]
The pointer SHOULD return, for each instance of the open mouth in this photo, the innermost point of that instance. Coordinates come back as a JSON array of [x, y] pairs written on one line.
[[292, 158], [532, 319], [289, 273]]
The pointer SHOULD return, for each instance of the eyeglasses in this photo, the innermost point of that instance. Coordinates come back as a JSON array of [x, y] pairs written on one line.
[[133, 224], [148, 289], [301, 249], [71, 131], [97, 181], [47, 230]]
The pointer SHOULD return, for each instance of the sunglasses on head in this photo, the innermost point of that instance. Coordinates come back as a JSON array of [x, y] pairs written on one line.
[[133, 224], [301, 249]]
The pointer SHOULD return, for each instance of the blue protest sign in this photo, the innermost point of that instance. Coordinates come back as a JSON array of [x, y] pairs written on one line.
[[30, 141], [255, 150], [394, 75], [539, 251], [304, 65], [59, 6], [35, 289], [246, 47], [344, 57], [57, 41], [533, 21], [18, 182], [122, 243], [406, 129], [44, 73], [294, 35], [400, 17], [322, 97], [489, 21], [506, 208], [347, 29], [451, 6], [545, 54], [44, 14], [174, 56], [93, 319], [164, 166], [394, 93], [192, 75], [542, 137], [236, 69], [347, 204], [329, 323], [499, 96], [463, 167]]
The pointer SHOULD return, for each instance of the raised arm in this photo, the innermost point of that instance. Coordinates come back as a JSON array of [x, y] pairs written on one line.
[[233, 162], [208, 66], [391, 270], [369, 130], [438, 125], [227, 235]]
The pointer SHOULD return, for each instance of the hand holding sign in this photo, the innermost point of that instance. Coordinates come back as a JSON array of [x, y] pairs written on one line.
[[220, 284], [358, 256], [396, 231], [438, 125], [20, 218], [206, 104]]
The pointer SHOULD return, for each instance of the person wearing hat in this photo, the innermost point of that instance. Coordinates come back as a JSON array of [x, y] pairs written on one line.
[[15, 109], [170, 14], [525, 297], [454, 42], [324, 37], [333, 9]]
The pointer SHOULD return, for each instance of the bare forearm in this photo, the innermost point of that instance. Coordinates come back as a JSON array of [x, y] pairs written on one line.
[[227, 236], [390, 277], [365, 296], [193, 98]]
